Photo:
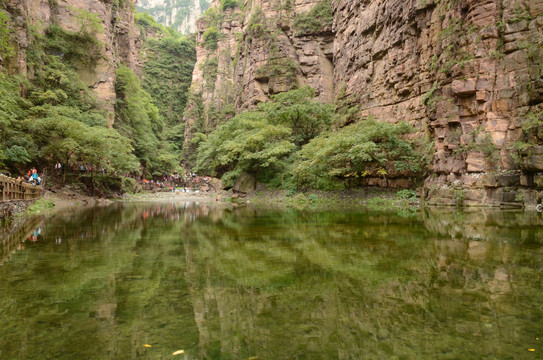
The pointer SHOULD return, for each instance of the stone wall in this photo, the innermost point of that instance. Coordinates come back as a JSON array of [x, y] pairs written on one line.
[[8, 209]]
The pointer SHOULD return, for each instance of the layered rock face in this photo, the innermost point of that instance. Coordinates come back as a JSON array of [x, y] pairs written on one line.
[[258, 53], [117, 35], [465, 73], [180, 15]]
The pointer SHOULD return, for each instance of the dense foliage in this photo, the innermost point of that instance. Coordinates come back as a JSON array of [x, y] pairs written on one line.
[[260, 141], [298, 110], [167, 75], [247, 143], [53, 116], [6, 49], [288, 142], [138, 118], [366, 148]]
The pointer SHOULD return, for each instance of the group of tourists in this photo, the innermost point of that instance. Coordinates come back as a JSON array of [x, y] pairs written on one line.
[[174, 182], [81, 168], [32, 177]]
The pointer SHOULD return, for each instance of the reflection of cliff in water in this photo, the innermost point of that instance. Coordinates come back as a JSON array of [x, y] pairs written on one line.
[[231, 283], [302, 283]]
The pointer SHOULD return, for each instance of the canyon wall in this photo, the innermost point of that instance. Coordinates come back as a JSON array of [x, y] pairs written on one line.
[[467, 74], [258, 53], [178, 14], [117, 36]]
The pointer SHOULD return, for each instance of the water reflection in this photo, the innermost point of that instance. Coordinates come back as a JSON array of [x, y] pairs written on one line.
[[235, 283]]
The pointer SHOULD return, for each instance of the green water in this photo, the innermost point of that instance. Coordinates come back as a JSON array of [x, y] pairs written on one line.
[[246, 283]]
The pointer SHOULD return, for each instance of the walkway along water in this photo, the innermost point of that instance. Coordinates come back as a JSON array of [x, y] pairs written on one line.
[[12, 189], [16, 196]]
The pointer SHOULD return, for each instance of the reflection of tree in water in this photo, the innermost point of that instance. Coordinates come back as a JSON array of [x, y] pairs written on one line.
[[233, 283], [376, 284]]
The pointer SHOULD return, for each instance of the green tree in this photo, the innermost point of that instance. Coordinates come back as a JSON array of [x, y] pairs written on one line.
[[139, 119], [298, 110], [360, 149], [64, 139], [246, 143]]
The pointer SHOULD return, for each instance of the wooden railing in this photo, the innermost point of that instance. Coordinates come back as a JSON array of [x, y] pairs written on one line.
[[11, 189]]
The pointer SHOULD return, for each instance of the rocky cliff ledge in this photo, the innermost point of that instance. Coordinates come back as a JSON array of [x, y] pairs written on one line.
[[465, 72]]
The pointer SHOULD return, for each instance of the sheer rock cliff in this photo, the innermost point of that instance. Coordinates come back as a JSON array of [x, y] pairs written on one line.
[[465, 73], [118, 37]]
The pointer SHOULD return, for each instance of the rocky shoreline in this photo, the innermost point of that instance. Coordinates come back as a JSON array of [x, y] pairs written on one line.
[[372, 198]]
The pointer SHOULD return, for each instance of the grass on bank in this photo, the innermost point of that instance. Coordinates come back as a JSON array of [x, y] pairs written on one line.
[[39, 207]]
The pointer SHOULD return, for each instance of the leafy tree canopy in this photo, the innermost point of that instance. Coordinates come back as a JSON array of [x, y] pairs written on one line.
[[361, 149], [246, 143], [298, 110]]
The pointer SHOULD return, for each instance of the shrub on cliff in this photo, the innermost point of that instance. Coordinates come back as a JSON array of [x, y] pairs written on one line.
[[6, 49], [229, 4], [210, 38], [316, 19]]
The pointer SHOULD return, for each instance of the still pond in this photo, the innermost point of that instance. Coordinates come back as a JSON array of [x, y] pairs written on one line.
[[143, 280]]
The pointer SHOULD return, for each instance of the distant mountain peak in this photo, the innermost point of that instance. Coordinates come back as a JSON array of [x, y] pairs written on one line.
[[178, 14]]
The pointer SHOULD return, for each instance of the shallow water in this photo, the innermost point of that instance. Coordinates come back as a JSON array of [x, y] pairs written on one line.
[[251, 283]]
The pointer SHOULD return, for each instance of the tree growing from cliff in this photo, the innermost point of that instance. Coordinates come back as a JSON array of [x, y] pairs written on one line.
[[229, 4]]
